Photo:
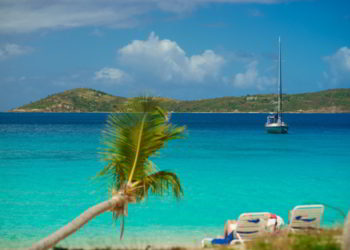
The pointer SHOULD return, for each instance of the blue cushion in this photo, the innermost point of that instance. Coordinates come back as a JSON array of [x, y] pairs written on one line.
[[227, 240], [306, 220]]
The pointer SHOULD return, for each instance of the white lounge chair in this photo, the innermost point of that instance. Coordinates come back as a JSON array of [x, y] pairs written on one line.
[[249, 226], [306, 217]]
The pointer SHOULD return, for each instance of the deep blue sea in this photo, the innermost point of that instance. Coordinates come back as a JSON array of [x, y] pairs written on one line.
[[227, 164]]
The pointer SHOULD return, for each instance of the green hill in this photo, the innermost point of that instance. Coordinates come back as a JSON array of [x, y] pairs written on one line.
[[75, 100], [89, 100]]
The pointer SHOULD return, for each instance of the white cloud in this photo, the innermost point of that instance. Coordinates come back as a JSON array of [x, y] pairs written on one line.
[[110, 74], [187, 5], [23, 16], [29, 16], [339, 68], [11, 50], [252, 79], [166, 60]]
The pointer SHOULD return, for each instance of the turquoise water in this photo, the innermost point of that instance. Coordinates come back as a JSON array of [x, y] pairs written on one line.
[[227, 164]]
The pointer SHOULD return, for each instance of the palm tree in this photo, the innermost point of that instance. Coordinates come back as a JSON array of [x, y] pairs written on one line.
[[129, 139]]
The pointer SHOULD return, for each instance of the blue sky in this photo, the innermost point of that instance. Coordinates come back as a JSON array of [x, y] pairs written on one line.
[[183, 49]]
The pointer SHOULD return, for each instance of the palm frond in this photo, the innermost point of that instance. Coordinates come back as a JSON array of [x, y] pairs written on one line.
[[160, 183], [129, 139]]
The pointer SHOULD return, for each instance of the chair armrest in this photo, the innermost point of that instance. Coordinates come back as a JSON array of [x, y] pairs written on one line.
[[206, 242], [238, 240]]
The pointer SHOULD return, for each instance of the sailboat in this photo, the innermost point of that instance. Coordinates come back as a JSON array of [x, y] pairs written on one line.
[[274, 123]]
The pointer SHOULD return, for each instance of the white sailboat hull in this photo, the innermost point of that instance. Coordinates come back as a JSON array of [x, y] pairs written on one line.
[[276, 128]]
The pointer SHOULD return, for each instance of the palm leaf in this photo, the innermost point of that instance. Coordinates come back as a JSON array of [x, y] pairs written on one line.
[[160, 183], [129, 139]]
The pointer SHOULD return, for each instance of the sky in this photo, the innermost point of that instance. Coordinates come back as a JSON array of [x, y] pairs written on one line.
[[182, 49]]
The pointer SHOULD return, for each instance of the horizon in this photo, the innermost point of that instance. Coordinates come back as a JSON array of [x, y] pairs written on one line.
[[248, 94], [198, 49]]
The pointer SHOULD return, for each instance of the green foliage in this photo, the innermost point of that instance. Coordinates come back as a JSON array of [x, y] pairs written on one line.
[[314, 242], [310, 240], [129, 140], [77, 100]]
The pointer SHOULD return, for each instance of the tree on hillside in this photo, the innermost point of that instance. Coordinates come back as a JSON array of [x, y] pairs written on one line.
[[129, 139]]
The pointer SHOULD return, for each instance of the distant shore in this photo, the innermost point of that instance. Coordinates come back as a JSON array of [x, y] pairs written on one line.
[[90, 100]]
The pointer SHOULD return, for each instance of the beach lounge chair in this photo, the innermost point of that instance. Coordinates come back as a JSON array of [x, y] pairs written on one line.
[[249, 226], [306, 217]]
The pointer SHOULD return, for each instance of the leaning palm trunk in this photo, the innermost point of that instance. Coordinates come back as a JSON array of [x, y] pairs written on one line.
[[77, 223], [129, 141]]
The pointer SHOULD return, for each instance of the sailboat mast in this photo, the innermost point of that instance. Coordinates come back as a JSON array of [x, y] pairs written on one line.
[[279, 78]]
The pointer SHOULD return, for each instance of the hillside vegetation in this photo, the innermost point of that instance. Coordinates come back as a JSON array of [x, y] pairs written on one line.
[[75, 100], [89, 100]]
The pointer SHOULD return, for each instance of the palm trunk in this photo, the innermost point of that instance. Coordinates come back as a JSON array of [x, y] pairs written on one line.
[[77, 223]]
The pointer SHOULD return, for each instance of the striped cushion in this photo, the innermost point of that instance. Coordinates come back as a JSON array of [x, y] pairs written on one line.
[[306, 217], [250, 225]]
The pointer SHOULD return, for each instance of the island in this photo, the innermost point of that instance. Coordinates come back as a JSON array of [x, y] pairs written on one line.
[[90, 100]]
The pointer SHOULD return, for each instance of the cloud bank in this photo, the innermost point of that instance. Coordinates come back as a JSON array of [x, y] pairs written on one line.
[[11, 50], [167, 61], [156, 61], [24, 16], [110, 74], [338, 73], [251, 78]]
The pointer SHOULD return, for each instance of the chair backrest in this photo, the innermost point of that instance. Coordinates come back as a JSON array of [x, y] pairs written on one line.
[[250, 225], [306, 217]]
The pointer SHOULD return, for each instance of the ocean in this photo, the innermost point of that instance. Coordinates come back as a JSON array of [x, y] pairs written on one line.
[[227, 164]]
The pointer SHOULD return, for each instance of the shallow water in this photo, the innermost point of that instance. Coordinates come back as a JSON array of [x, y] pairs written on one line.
[[227, 164]]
